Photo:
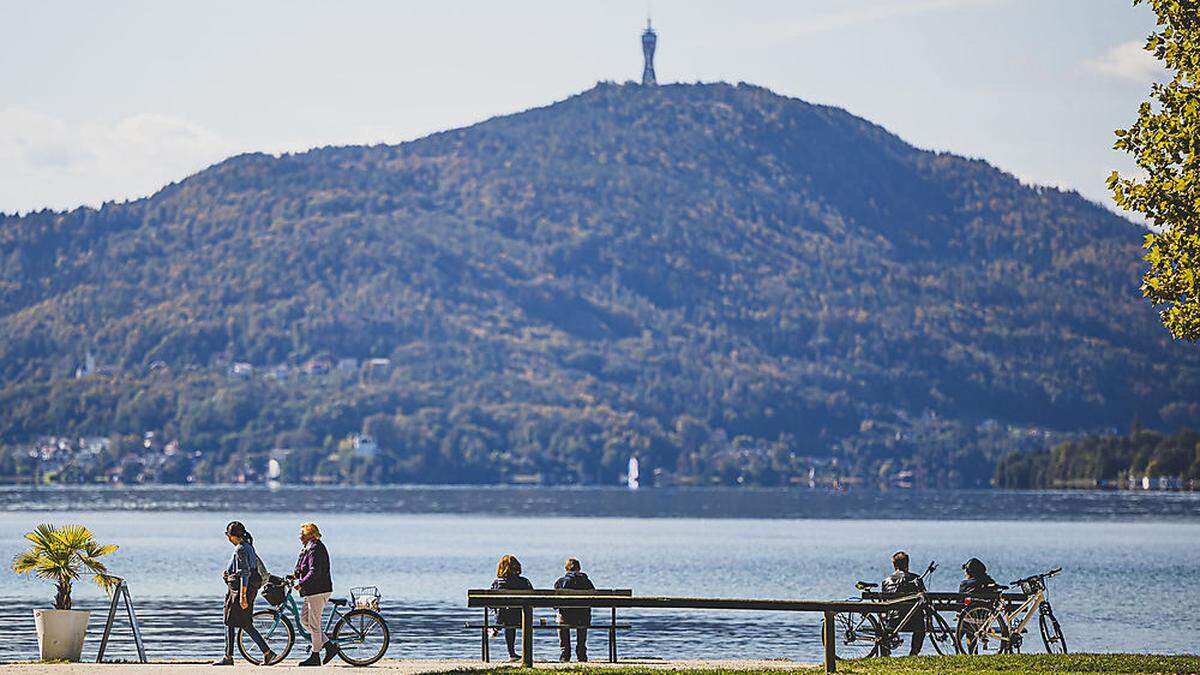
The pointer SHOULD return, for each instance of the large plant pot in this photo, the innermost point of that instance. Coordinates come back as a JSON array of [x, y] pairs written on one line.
[[60, 633]]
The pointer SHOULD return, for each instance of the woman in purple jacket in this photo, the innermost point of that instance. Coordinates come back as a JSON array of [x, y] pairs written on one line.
[[315, 585]]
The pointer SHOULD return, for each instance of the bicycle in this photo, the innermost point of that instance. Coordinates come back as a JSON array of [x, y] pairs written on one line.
[[986, 626], [361, 634], [870, 635]]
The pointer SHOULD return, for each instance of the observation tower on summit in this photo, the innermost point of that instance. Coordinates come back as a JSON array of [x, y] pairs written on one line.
[[649, 40]]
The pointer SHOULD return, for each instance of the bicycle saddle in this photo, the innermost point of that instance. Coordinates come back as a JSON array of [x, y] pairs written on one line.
[[338, 602]]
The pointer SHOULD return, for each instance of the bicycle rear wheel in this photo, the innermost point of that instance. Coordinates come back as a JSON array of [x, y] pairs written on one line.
[[275, 629], [362, 637], [941, 636], [982, 631], [858, 636], [1052, 635]]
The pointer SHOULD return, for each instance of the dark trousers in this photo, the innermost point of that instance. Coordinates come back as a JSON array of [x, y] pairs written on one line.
[[564, 641], [251, 631], [510, 639], [918, 639]]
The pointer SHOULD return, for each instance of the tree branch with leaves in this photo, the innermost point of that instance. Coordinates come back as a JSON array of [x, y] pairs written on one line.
[[1165, 142]]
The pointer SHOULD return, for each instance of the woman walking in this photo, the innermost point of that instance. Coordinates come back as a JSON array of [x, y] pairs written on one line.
[[315, 585], [508, 577], [242, 580]]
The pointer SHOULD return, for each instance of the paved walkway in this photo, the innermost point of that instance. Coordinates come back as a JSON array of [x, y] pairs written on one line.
[[413, 667]]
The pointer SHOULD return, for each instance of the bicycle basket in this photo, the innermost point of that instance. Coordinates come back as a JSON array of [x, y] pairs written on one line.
[[365, 597], [274, 594]]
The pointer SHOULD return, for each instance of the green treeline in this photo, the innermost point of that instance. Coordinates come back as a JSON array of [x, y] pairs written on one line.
[[1110, 461]]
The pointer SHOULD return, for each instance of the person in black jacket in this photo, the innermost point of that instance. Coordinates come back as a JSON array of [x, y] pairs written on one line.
[[904, 582], [315, 584], [578, 616], [977, 578], [508, 577]]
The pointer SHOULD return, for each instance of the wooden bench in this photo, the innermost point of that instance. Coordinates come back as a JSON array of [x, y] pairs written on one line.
[[527, 601], [610, 628]]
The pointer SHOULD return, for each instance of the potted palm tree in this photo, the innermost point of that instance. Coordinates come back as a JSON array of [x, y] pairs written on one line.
[[61, 554]]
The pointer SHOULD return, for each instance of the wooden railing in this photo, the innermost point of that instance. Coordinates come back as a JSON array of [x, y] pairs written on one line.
[[527, 601]]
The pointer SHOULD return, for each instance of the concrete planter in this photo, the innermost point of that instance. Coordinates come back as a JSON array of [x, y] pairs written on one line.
[[60, 633]]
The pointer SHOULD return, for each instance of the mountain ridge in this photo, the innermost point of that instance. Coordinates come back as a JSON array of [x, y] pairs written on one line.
[[780, 272]]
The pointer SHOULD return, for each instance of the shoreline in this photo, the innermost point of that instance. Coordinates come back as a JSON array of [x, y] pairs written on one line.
[[408, 666]]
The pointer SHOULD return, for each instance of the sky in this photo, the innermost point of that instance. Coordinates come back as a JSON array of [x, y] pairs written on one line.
[[112, 100]]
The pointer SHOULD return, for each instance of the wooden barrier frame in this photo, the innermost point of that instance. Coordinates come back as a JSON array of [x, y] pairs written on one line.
[[528, 600]]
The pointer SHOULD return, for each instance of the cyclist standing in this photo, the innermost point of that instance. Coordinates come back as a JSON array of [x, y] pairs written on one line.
[[904, 582]]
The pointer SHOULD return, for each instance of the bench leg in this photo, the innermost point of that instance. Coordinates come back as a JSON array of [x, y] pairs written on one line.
[[612, 637], [828, 630], [485, 648], [527, 636]]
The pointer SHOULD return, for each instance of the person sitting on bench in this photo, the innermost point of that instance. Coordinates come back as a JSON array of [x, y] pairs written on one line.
[[577, 616], [977, 578], [903, 582], [508, 577]]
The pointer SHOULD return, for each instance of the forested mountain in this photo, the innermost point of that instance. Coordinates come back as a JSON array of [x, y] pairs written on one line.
[[731, 284]]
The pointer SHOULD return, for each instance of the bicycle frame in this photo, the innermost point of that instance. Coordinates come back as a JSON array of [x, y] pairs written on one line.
[[289, 605], [1031, 604]]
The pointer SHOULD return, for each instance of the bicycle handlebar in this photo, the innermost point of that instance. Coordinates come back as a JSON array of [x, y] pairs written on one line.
[[1043, 575]]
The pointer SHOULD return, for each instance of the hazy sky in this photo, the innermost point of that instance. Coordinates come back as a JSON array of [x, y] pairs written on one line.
[[111, 100]]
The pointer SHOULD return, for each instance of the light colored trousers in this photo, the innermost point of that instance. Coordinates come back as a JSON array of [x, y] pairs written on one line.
[[310, 618]]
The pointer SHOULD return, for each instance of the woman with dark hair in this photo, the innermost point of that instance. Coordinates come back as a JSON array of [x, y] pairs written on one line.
[[242, 580], [977, 578], [508, 577]]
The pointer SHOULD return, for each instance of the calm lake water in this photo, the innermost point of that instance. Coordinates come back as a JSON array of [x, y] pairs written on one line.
[[1126, 556]]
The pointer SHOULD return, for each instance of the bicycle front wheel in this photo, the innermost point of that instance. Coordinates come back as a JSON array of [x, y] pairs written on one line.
[[857, 636], [1052, 635], [362, 637], [982, 631], [275, 629], [943, 639]]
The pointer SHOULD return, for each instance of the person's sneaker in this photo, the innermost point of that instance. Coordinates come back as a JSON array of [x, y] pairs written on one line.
[[314, 659], [227, 661], [514, 657], [564, 657], [581, 657], [331, 650], [269, 658]]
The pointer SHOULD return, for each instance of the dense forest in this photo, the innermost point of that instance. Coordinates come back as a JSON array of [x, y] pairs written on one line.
[[732, 285], [1142, 459]]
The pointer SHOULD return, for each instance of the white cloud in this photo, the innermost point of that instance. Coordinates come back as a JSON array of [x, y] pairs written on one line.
[[45, 160], [1127, 61]]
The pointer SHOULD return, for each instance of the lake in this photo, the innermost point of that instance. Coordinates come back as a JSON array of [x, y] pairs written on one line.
[[1126, 556]]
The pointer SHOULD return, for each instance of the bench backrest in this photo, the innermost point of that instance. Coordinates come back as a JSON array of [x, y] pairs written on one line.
[[488, 592]]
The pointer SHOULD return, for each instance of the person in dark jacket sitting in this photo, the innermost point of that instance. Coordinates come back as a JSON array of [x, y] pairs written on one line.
[[977, 578], [508, 577], [579, 616], [315, 584], [904, 582]]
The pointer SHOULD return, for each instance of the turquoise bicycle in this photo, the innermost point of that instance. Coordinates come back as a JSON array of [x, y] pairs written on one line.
[[361, 635]]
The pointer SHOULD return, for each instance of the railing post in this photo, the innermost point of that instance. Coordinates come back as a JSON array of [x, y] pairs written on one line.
[[829, 632], [527, 636]]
